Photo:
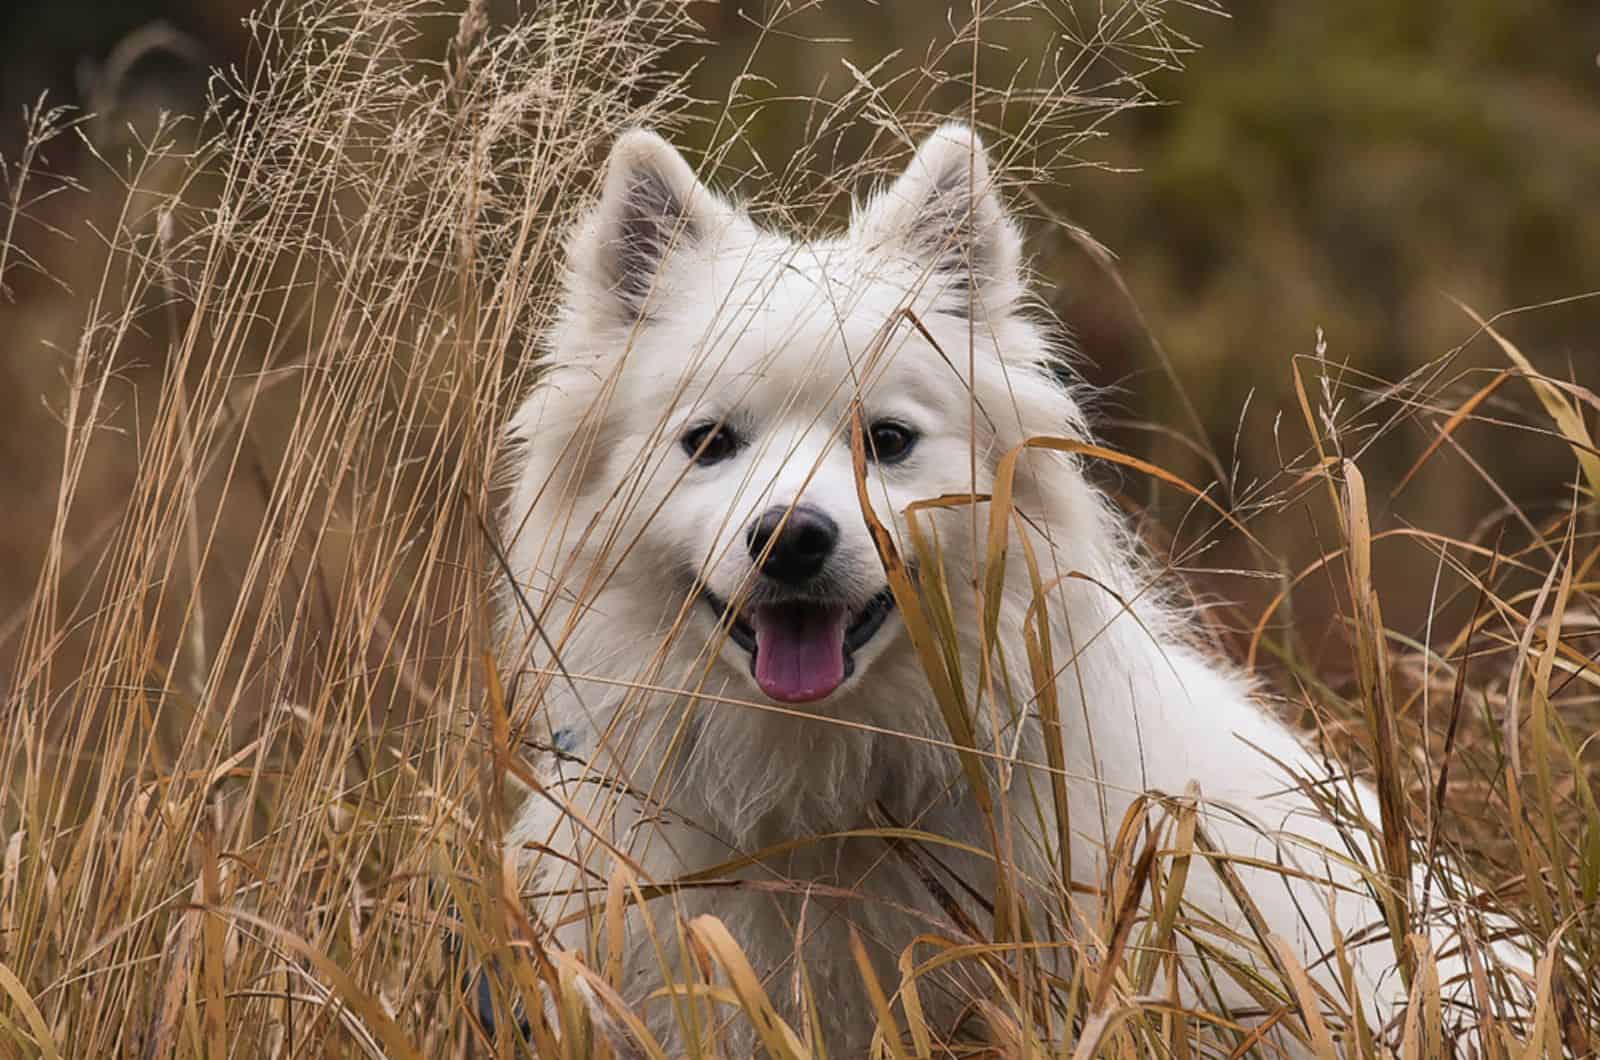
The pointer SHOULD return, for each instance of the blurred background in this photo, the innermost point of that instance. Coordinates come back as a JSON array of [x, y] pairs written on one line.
[[1352, 167], [261, 658]]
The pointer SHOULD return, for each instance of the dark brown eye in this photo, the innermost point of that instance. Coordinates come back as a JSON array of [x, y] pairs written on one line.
[[710, 443], [889, 442]]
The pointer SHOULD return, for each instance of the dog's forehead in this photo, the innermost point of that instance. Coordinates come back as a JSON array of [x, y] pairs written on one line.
[[812, 322]]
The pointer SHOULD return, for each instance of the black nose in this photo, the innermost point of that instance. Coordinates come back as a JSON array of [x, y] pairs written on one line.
[[805, 541]]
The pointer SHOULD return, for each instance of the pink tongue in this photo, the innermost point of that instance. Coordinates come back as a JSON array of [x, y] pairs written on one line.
[[799, 650]]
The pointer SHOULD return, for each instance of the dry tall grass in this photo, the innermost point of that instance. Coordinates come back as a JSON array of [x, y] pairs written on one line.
[[255, 754]]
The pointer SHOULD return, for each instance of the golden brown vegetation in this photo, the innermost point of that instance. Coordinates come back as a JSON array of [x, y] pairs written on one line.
[[254, 758]]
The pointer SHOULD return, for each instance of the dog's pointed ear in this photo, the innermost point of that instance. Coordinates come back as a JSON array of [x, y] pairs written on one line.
[[944, 210], [651, 206]]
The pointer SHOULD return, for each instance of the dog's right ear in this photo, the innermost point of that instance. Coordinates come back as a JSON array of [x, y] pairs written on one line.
[[651, 207], [946, 211]]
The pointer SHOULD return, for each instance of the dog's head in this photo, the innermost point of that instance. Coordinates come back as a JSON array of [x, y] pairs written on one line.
[[691, 438]]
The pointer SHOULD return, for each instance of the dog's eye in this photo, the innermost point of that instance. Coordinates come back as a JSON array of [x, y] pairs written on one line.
[[890, 442], [710, 443]]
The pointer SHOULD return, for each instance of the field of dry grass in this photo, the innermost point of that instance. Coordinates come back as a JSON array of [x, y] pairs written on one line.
[[255, 755]]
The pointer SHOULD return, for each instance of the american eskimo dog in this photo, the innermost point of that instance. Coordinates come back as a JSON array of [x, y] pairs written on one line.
[[718, 472]]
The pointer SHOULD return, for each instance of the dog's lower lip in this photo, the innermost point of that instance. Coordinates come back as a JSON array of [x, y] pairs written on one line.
[[739, 629], [868, 620], [862, 628]]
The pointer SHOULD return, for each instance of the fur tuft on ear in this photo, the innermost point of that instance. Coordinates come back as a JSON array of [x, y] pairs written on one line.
[[651, 206], [944, 210]]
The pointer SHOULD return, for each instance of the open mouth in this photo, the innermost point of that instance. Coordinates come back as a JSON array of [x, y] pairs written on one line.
[[802, 650]]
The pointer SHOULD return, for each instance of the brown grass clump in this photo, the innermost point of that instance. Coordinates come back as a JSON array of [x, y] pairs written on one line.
[[255, 757]]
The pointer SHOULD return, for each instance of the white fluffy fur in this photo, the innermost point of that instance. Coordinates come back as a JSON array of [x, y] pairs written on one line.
[[680, 310]]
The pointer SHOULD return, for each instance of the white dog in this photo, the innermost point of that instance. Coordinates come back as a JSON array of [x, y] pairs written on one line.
[[703, 625]]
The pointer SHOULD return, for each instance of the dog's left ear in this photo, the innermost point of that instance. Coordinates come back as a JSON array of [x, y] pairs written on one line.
[[944, 210], [652, 206]]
